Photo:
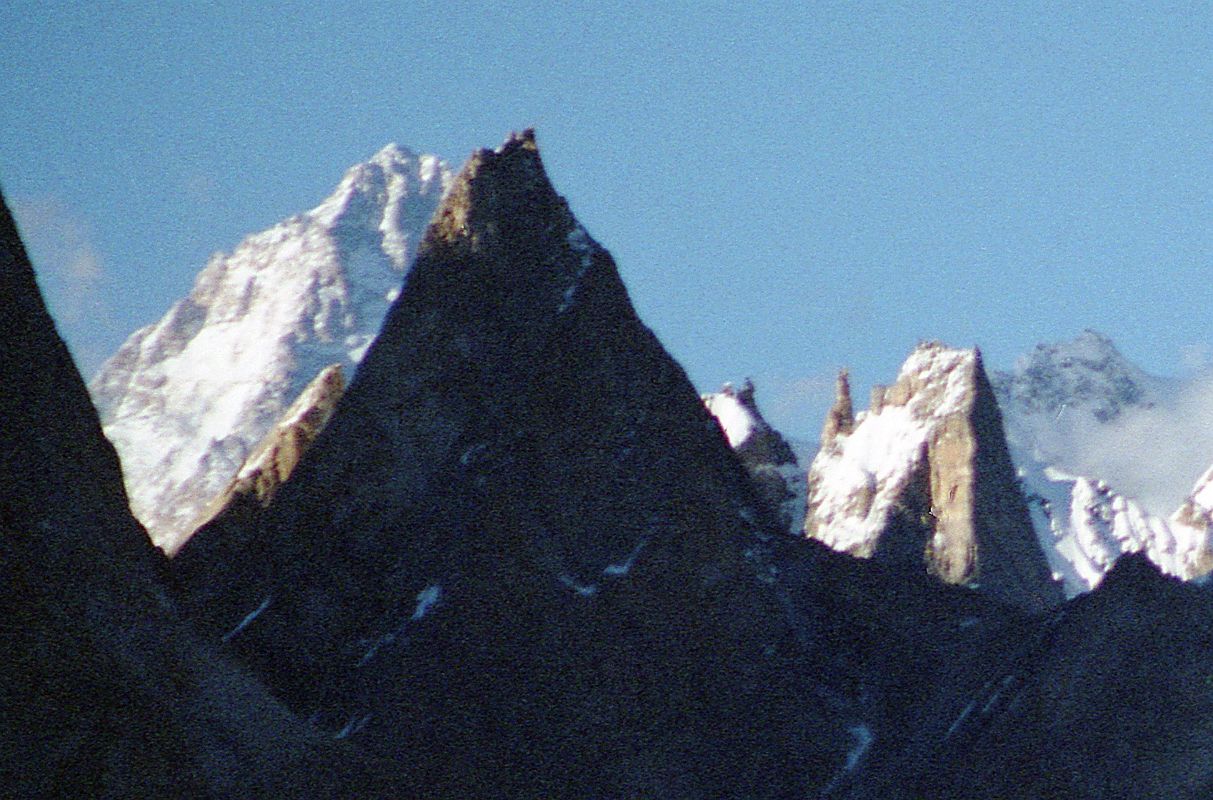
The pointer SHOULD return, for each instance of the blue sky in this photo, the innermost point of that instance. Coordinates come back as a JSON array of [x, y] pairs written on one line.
[[787, 188]]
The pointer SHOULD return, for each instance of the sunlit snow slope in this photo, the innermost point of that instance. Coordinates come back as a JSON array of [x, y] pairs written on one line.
[[185, 399]]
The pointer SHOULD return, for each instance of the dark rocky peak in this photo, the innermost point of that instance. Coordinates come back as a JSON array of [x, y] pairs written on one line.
[[1105, 697], [530, 263], [58, 473], [924, 479], [1135, 573], [520, 558], [106, 692]]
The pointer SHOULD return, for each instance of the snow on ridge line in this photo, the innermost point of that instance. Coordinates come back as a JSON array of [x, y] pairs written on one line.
[[1096, 525], [185, 400], [736, 420]]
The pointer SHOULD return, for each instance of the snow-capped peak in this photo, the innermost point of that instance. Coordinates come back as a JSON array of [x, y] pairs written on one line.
[[1086, 374], [767, 456], [737, 421], [185, 399], [858, 478], [923, 476], [1080, 419]]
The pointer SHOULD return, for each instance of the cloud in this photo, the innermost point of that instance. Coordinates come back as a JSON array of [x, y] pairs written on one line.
[[70, 269], [1197, 356], [1153, 455]]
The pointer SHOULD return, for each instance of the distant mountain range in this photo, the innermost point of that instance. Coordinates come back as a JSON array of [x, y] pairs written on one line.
[[518, 555]]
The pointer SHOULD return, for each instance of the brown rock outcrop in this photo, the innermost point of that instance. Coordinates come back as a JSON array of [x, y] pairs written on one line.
[[926, 471], [274, 458]]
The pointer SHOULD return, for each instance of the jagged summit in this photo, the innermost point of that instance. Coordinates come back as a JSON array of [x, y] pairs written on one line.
[[1086, 374], [841, 417], [767, 456], [1061, 402], [185, 399], [521, 546], [923, 479]]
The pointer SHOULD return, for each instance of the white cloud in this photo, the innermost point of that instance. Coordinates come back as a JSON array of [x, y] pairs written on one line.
[[1153, 455], [1197, 356]]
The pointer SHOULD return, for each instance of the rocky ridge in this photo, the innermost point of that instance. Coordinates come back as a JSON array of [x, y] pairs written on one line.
[[923, 479], [273, 460], [767, 456], [521, 559], [185, 400]]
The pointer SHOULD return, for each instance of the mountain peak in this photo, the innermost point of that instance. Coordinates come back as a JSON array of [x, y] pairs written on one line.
[[767, 456], [185, 399], [393, 154], [1086, 372], [492, 180], [519, 454], [924, 478], [840, 420]]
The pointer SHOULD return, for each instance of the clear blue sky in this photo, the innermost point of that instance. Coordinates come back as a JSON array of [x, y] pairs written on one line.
[[787, 187]]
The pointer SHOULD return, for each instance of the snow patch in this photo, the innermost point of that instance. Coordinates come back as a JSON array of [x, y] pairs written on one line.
[[736, 420], [580, 589], [469, 455], [956, 723], [248, 618], [622, 568], [427, 598], [353, 726], [579, 240], [863, 741]]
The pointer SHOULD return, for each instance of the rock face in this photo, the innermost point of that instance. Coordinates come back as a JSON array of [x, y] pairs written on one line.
[[1107, 699], [273, 460], [521, 559], [923, 480], [767, 456], [1061, 399], [106, 692], [185, 400], [840, 419]]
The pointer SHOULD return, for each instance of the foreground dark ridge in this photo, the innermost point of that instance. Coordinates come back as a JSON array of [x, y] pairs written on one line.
[[106, 692]]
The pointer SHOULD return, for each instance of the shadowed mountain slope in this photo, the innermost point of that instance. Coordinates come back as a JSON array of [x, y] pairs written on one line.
[[522, 556], [106, 693]]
